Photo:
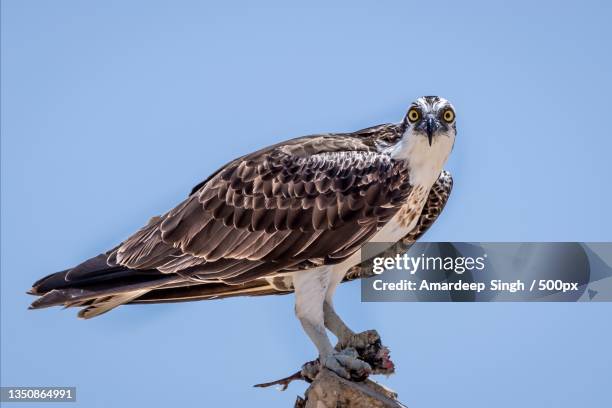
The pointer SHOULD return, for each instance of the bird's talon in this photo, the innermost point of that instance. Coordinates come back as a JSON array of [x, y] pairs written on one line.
[[347, 365], [360, 341]]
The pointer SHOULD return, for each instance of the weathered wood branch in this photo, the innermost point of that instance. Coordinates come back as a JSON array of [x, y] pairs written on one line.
[[331, 391]]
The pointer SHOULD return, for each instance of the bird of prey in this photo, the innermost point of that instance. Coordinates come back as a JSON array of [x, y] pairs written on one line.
[[291, 217]]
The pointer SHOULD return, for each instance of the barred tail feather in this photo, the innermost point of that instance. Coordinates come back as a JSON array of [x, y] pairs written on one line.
[[96, 286], [104, 304]]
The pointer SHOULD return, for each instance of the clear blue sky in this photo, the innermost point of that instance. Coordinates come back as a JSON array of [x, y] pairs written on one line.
[[112, 110]]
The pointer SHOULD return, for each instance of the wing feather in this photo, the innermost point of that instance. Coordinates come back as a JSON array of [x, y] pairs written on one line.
[[437, 198], [312, 200]]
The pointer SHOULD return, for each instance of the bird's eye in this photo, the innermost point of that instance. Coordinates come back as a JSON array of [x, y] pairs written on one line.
[[414, 115], [448, 115]]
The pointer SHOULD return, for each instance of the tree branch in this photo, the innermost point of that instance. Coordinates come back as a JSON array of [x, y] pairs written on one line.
[[331, 391]]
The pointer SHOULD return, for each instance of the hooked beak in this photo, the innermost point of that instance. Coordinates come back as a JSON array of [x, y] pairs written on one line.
[[430, 127]]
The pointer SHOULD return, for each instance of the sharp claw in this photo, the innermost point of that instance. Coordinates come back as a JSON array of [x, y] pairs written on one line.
[[333, 364], [347, 365]]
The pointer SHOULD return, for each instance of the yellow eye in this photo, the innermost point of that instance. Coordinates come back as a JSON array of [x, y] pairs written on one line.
[[448, 115], [414, 115]]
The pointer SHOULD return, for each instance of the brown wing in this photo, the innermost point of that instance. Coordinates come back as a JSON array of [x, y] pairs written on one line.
[[308, 202], [436, 200]]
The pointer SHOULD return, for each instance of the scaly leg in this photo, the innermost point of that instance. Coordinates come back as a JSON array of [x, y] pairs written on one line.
[[332, 321], [335, 324], [367, 344], [346, 337], [310, 290]]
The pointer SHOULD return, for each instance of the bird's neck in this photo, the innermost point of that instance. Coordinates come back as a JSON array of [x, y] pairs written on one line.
[[425, 162]]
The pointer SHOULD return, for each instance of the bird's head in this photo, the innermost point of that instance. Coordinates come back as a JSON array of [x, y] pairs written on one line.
[[432, 118]]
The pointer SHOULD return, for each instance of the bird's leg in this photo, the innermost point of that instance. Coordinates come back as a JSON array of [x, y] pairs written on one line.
[[332, 321], [310, 290], [335, 324], [346, 337]]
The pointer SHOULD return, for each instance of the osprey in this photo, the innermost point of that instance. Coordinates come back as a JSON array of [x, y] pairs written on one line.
[[291, 217]]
